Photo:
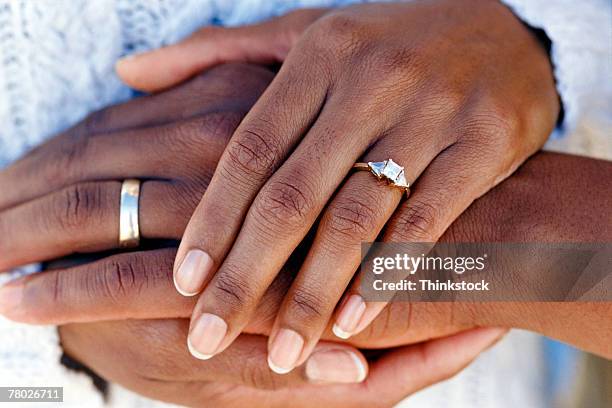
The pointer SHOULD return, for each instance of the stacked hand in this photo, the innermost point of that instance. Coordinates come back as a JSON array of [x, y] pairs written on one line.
[[131, 321], [144, 347], [459, 93]]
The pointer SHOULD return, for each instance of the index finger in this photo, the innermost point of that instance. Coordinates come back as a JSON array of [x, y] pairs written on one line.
[[135, 285]]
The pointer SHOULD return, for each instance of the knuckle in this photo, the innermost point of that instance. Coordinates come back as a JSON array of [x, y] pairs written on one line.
[[444, 103], [71, 155], [51, 298], [494, 122], [221, 126], [162, 337], [306, 305], [493, 134], [194, 134], [340, 29], [118, 279], [191, 192], [417, 223], [232, 289], [77, 205], [252, 151], [339, 37], [58, 286], [498, 134], [352, 217], [286, 204], [253, 375], [195, 144], [398, 64], [96, 122], [396, 318]]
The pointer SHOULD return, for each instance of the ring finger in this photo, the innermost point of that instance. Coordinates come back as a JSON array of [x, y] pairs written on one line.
[[357, 214], [84, 217], [444, 190]]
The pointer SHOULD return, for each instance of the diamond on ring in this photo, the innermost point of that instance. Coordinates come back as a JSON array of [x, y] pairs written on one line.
[[390, 171]]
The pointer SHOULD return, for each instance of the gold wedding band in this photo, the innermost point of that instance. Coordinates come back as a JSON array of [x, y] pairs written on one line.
[[129, 227], [387, 170]]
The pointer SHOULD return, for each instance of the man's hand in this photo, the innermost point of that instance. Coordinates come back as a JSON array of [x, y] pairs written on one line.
[[63, 197]]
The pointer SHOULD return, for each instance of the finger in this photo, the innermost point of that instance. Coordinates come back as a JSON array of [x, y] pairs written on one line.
[[50, 163], [445, 189], [330, 363], [357, 213], [403, 371], [242, 364], [279, 218], [135, 285], [231, 87], [117, 156], [264, 43], [119, 287], [408, 369], [258, 147], [85, 218], [207, 96]]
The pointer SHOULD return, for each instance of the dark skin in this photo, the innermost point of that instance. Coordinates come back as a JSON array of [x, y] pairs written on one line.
[[138, 281], [74, 210], [526, 208], [120, 352], [115, 349], [460, 93]]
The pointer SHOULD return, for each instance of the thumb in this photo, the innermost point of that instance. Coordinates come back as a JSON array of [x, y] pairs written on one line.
[[405, 370], [263, 43]]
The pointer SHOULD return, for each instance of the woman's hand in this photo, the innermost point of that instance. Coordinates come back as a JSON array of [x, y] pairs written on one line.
[[459, 93], [146, 356], [63, 197]]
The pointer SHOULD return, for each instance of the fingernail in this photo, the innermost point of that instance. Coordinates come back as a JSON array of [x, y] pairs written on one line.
[[122, 64], [128, 58], [206, 335], [193, 272], [285, 351], [335, 366], [10, 298], [349, 317]]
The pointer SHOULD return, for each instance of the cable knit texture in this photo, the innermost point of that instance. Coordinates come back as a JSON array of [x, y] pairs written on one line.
[[56, 66]]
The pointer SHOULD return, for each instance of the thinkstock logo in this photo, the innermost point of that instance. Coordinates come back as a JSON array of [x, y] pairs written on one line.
[[481, 272]]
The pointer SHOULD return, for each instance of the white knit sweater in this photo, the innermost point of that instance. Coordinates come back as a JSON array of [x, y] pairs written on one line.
[[56, 65]]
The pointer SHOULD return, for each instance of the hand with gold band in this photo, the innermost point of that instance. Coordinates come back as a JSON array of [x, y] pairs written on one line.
[[144, 347], [458, 94], [129, 172]]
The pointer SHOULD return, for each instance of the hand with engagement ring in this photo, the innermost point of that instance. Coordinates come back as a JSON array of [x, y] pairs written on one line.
[[119, 314], [416, 82], [131, 321]]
